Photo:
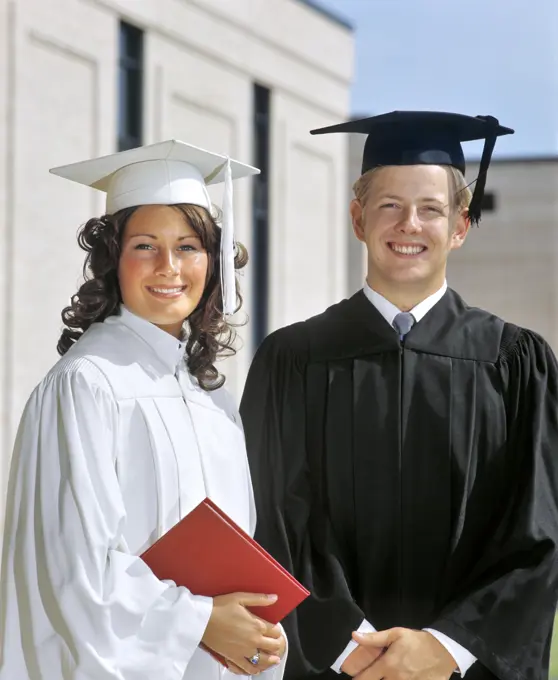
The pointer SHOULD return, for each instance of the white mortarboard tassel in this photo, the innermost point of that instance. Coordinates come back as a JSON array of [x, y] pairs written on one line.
[[228, 277], [168, 173]]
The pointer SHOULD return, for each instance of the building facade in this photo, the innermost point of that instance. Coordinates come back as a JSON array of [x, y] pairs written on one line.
[[509, 263], [82, 78]]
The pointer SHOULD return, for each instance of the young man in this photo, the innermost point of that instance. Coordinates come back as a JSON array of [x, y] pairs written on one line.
[[403, 445]]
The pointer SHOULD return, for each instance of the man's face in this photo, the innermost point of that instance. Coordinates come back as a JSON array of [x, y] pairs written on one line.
[[408, 227]]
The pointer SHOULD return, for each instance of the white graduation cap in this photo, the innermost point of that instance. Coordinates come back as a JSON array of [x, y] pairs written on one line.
[[167, 173]]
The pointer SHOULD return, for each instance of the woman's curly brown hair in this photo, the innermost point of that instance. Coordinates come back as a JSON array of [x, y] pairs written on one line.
[[210, 335]]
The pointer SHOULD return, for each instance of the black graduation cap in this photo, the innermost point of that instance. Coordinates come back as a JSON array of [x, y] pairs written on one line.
[[425, 137]]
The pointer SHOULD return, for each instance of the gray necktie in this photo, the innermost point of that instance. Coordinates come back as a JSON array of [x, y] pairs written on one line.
[[403, 323]]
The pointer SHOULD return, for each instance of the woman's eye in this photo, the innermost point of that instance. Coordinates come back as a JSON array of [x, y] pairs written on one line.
[[147, 246]]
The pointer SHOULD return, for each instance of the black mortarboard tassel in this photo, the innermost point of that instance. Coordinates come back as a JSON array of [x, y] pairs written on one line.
[[475, 206]]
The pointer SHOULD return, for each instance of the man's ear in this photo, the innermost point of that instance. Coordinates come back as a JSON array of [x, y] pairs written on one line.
[[357, 218], [460, 230]]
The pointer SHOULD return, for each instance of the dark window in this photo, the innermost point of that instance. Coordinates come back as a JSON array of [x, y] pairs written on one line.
[[488, 202], [130, 87], [260, 213]]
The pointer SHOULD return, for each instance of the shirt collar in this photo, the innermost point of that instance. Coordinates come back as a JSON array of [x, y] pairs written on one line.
[[168, 349], [389, 311]]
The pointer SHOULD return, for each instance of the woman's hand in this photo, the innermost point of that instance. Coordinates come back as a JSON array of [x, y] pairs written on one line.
[[233, 668], [237, 634]]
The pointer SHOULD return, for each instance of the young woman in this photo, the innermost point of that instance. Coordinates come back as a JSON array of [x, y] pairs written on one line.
[[127, 433]]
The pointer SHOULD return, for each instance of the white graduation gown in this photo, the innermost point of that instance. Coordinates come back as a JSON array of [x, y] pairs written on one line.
[[115, 446]]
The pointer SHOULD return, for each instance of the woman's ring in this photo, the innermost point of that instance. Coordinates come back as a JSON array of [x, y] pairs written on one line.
[[255, 660]]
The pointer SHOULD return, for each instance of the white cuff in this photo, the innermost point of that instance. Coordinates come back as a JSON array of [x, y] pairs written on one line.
[[462, 657], [364, 627]]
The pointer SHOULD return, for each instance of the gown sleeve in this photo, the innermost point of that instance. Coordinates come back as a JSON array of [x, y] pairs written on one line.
[[276, 672], [504, 612], [66, 573], [291, 524]]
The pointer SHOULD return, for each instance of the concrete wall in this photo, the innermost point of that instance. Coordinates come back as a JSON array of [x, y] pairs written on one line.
[[508, 264], [357, 263]]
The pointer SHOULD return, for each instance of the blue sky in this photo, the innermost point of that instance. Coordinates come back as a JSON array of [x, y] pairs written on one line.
[[497, 57]]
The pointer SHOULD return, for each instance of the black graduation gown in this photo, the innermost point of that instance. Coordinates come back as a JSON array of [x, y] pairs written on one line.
[[414, 484]]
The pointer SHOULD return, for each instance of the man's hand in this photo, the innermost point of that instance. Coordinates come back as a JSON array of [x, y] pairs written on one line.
[[410, 655], [360, 658]]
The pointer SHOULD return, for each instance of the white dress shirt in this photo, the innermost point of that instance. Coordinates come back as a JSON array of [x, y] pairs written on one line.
[[463, 658]]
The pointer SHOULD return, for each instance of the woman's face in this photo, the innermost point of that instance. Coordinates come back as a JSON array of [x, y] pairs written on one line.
[[163, 267]]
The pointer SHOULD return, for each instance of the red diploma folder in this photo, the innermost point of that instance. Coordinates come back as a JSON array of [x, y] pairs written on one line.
[[211, 555]]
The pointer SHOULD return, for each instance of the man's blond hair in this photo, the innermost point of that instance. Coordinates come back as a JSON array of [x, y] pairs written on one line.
[[460, 194]]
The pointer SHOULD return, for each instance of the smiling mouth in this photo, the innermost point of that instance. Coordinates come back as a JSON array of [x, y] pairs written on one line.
[[408, 249], [166, 291]]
